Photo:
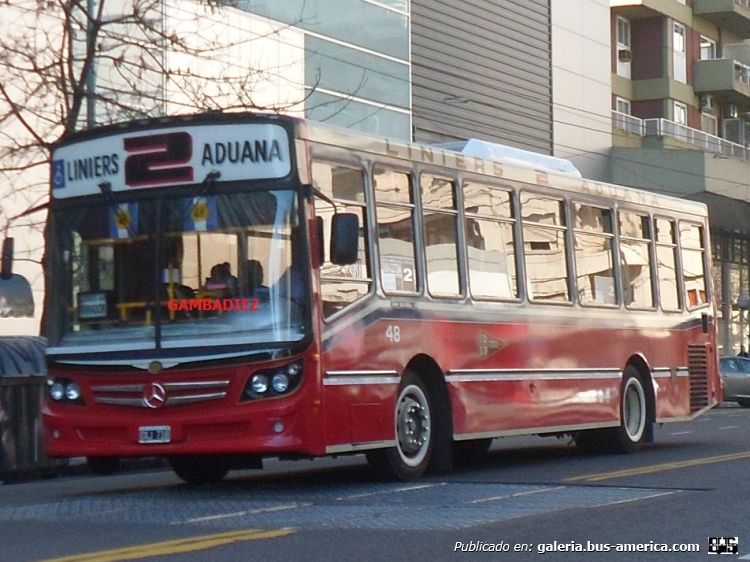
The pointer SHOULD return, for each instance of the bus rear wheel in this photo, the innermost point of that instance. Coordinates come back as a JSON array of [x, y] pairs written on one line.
[[198, 470], [415, 435], [630, 435], [633, 430]]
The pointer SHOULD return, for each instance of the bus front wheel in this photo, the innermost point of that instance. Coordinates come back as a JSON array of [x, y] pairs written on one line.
[[197, 470], [414, 433]]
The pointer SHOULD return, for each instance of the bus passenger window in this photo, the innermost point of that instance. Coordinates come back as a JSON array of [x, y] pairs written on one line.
[[666, 259], [490, 242], [545, 253], [635, 260], [395, 212], [595, 269], [693, 264], [441, 235]]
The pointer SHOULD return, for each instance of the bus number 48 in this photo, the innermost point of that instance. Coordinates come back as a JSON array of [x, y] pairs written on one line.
[[393, 333]]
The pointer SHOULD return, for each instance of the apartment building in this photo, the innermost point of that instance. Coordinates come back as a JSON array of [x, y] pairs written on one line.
[[681, 123]]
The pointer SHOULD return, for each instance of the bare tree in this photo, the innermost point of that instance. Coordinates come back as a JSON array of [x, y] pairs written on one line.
[[69, 64]]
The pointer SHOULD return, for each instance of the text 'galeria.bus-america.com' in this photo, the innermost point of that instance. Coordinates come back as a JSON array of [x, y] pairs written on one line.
[[406, 302]]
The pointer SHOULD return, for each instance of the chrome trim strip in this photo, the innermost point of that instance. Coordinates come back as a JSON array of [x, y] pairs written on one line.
[[195, 384], [347, 381], [121, 401], [352, 447], [666, 372], [194, 398], [470, 375], [385, 373], [549, 370], [534, 430], [119, 388]]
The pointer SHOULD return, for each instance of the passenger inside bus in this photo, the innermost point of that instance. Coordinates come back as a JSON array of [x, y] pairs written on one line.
[[254, 280], [222, 279]]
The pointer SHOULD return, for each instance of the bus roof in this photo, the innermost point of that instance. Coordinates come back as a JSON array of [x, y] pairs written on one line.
[[566, 177], [511, 155]]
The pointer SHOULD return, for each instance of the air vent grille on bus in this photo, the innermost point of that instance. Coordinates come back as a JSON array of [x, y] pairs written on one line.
[[698, 370]]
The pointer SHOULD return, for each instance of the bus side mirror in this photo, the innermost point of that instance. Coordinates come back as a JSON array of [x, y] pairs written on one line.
[[321, 242], [344, 238], [6, 270]]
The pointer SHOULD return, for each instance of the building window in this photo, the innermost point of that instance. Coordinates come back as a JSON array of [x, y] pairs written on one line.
[[623, 33], [709, 124], [623, 106], [680, 113], [622, 53], [679, 49], [708, 48]]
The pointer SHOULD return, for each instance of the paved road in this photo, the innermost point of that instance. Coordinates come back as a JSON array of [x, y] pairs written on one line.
[[528, 493]]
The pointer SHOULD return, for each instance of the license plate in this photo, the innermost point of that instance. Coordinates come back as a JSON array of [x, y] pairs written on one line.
[[155, 434]]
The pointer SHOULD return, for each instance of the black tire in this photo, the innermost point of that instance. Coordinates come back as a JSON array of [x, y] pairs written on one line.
[[103, 466], [631, 434], [198, 470], [744, 403], [414, 433], [634, 428]]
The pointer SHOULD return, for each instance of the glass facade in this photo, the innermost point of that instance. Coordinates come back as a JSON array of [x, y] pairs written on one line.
[[731, 276], [357, 71]]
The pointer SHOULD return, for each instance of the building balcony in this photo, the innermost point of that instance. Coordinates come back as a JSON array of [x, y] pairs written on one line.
[[681, 133], [732, 15], [636, 9], [727, 80]]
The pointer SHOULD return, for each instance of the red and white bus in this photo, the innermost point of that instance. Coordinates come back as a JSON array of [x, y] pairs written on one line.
[[212, 299]]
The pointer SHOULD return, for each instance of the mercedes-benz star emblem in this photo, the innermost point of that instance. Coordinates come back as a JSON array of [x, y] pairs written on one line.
[[154, 395]]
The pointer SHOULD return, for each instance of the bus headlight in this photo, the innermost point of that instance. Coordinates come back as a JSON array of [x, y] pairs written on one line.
[[271, 383], [64, 391], [280, 383], [259, 384], [72, 391], [57, 391]]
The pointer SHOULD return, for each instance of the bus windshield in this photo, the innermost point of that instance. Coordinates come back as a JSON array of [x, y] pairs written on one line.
[[171, 272]]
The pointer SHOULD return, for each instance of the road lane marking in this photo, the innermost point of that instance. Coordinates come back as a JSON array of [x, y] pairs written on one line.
[[681, 432], [241, 513], [730, 427], [397, 490], [187, 544], [517, 495], [629, 500], [657, 468]]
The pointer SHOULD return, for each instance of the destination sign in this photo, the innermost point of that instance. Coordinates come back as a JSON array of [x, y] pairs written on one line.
[[174, 156]]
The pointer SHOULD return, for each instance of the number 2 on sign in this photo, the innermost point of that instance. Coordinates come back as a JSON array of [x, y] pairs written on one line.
[[393, 333]]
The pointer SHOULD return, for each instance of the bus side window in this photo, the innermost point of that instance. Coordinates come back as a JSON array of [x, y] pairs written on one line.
[[490, 241], [693, 264], [594, 254], [666, 258], [341, 285], [636, 266], [395, 212], [440, 217], [545, 251]]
